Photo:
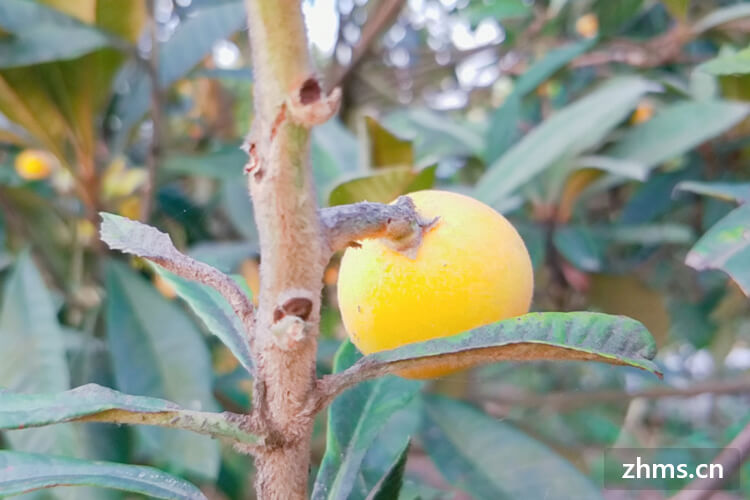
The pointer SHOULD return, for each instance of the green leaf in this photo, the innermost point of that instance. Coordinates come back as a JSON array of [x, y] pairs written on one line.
[[726, 246], [157, 351], [503, 128], [334, 154], [551, 63], [435, 135], [488, 458], [25, 472], [390, 484], [224, 163], [215, 312], [41, 34], [729, 64], [495, 9], [535, 336], [35, 410], [384, 186], [387, 150], [721, 16], [18, 411], [613, 16], [32, 358], [677, 8], [727, 191], [567, 133], [193, 38], [673, 131], [578, 245], [645, 234], [354, 421]]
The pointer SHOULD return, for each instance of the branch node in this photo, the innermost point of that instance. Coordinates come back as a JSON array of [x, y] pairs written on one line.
[[310, 106]]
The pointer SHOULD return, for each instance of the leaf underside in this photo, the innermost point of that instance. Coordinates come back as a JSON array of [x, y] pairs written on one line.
[[584, 336]]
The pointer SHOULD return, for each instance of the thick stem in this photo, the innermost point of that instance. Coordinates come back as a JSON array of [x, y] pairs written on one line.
[[292, 248]]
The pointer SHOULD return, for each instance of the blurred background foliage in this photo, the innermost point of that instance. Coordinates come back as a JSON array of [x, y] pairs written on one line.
[[614, 134]]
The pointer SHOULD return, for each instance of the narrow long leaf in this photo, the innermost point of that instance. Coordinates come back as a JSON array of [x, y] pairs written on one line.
[[726, 246], [491, 459], [92, 402], [727, 191], [535, 336], [215, 313], [354, 421], [26, 472], [567, 133]]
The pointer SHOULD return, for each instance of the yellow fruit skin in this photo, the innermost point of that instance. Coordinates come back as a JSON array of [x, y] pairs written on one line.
[[33, 165], [471, 269]]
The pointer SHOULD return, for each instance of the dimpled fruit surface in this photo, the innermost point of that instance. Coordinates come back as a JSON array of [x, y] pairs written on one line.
[[472, 268]]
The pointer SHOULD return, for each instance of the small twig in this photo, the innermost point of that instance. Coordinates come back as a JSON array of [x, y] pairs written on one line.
[[383, 17], [155, 148], [399, 224], [564, 400], [731, 459], [147, 242]]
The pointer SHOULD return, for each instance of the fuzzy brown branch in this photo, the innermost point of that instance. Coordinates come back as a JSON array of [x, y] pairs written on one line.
[[288, 101], [656, 52], [399, 224], [731, 459]]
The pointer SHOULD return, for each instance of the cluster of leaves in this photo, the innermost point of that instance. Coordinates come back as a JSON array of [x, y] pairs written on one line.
[[614, 204]]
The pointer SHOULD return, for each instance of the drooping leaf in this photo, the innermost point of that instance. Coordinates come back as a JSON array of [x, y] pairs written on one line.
[[674, 131], [390, 484], [488, 458], [729, 64], [535, 336], [215, 313], [41, 34], [26, 472], [32, 358], [19, 411], [721, 16], [386, 149], [567, 133], [354, 421], [383, 186], [727, 191], [726, 246], [157, 351]]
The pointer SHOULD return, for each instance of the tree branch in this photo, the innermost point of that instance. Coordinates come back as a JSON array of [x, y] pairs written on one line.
[[564, 400], [383, 17], [144, 241], [731, 459], [399, 224], [155, 148]]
